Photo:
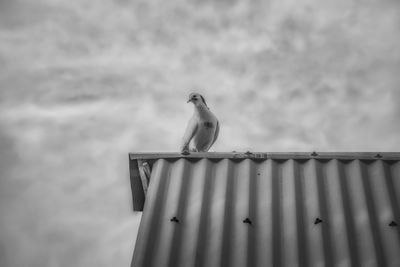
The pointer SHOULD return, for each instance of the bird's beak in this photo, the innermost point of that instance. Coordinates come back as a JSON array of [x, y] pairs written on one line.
[[190, 100]]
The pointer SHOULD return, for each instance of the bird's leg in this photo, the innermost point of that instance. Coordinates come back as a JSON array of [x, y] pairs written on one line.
[[185, 149]]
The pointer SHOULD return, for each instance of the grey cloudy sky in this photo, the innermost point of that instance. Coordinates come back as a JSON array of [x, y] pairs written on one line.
[[82, 83]]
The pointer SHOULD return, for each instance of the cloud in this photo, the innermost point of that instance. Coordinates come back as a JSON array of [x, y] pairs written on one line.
[[84, 83], [64, 188]]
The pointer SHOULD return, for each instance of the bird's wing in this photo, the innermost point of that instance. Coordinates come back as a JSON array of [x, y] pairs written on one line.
[[215, 134], [190, 132]]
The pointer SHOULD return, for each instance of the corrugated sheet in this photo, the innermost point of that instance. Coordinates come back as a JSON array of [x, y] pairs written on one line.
[[287, 210]]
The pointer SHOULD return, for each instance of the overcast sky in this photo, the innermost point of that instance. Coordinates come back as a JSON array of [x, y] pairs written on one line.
[[82, 83]]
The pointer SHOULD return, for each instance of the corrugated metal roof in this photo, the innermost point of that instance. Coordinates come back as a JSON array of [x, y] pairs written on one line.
[[267, 209]]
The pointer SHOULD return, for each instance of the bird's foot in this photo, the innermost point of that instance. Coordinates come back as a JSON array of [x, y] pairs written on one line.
[[185, 152]]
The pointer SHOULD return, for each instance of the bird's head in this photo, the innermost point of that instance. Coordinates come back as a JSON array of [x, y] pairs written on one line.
[[197, 99]]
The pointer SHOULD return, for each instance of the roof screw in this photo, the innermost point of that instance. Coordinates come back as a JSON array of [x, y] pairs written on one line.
[[378, 156], [174, 219], [392, 224], [258, 173], [314, 154], [247, 220], [317, 221]]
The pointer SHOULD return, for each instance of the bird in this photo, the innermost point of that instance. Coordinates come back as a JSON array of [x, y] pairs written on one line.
[[202, 129]]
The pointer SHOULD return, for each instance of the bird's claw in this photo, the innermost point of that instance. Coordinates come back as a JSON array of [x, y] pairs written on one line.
[[185, 152]]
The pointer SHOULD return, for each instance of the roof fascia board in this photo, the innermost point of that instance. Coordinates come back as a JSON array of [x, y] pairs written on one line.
[[269, 155]]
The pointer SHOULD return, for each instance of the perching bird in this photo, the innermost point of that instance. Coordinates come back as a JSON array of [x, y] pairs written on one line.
[[203, 127]]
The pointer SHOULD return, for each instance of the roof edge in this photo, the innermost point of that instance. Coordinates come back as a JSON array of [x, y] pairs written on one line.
[[268, 155], [140, 164]]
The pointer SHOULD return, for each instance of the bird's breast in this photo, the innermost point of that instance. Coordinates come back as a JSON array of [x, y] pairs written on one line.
[[208, 124]]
